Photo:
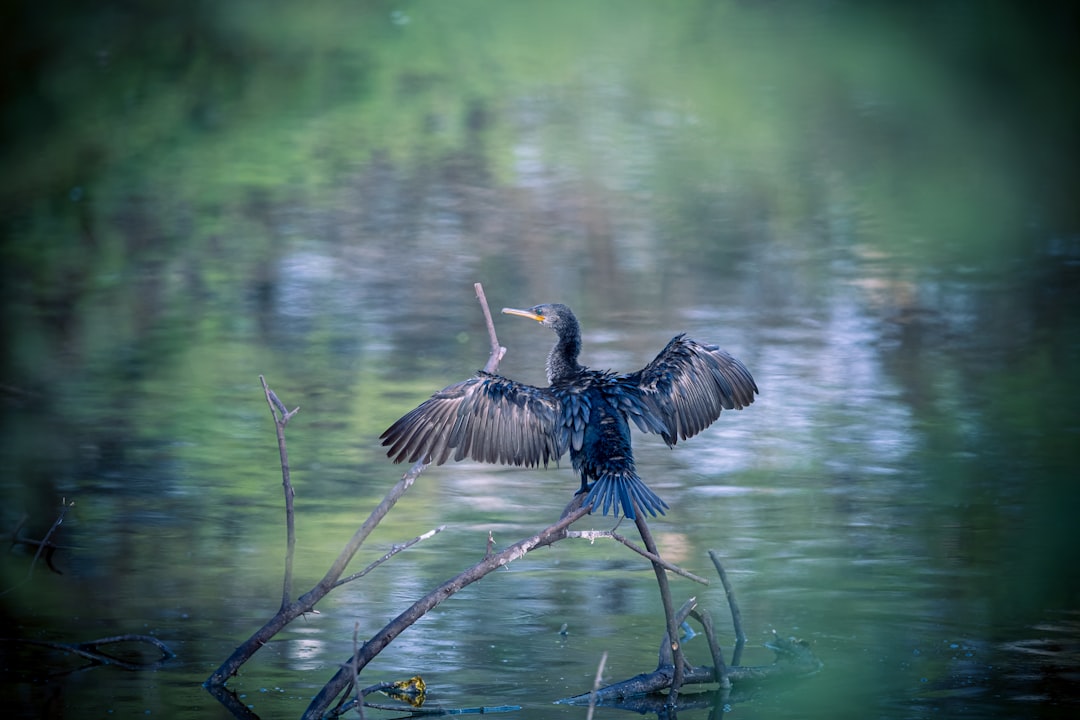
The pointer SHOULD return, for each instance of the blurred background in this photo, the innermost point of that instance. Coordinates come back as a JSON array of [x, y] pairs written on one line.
[[874, 205]]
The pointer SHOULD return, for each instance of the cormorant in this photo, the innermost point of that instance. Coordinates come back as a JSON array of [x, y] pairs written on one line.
[[493, 419]]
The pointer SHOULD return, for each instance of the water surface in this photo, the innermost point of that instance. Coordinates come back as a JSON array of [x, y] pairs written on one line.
[[872, 207]]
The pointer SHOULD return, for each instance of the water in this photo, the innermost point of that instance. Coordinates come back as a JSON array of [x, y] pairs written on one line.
[[857, 202]]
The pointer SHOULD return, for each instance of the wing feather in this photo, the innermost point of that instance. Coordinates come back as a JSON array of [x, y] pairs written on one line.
[[487, 418], [685, 388]]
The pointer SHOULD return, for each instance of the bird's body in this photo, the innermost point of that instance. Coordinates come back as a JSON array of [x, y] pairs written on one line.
[[493, 419]]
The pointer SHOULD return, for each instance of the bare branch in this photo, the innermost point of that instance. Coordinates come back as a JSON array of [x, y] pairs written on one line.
[[657, 559], [275, 403], [376, 516], [286, 484], [341, 680], [289, 611], [497, 351], [593, 535], [393, 551], [307, 601]]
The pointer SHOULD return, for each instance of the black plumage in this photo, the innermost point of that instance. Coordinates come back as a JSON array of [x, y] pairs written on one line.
[[493, 419]]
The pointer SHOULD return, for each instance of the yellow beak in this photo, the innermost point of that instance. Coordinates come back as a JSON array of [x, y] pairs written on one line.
[[524, 313]]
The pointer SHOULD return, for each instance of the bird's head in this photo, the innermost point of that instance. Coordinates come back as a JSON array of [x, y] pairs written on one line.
[[562, 361], [554, 315]]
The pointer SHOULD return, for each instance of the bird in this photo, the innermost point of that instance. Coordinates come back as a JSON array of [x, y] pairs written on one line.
[[493, 419]]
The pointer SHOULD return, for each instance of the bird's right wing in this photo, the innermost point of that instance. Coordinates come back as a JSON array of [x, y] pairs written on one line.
[[686, 387], [487, 418]]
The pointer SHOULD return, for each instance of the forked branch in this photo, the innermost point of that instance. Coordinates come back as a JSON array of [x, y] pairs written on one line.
[[342, 680]]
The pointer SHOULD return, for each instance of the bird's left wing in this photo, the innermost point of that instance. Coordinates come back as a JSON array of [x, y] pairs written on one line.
[[686, 387], [487, 418]]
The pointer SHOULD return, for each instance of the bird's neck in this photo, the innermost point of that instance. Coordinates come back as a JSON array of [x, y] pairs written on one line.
[[562, 361]]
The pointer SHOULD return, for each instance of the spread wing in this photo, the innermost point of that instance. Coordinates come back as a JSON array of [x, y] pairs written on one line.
[[487, 418], [686, 387]]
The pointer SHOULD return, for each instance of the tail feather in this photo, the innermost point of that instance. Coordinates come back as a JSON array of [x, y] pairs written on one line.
[[609, 492]]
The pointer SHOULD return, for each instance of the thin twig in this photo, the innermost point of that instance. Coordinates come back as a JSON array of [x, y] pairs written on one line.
[[308, 600], [497, 351], [657, 559], [391, 553], [286, 484], [594, 535]]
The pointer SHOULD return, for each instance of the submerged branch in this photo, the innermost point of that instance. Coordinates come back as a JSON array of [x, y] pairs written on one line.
[[45, 546], [794, 659], [91, 650]]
